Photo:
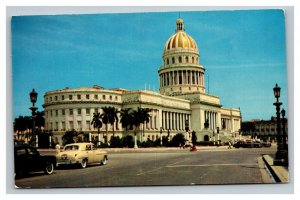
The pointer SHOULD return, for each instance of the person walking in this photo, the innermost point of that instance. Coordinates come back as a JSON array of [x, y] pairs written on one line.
[[229, 145]]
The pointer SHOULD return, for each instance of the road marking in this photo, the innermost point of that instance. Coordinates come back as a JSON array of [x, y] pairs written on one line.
[[209, 165]]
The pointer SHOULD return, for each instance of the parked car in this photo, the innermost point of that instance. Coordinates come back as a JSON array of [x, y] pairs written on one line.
[[28, 159], [81, 154], [248, 144], [266, 144]]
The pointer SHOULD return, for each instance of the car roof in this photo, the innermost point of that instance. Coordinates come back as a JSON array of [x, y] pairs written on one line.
[[79, 144]]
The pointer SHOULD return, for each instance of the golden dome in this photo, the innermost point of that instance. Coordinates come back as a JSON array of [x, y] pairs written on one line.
[[180, 40]]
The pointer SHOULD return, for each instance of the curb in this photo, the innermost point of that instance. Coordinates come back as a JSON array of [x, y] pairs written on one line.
[[279, 173]]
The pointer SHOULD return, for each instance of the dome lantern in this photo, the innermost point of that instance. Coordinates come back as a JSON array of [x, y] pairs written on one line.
[[179, 25]]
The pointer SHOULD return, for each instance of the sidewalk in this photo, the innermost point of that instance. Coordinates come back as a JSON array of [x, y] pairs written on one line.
[[279, 173], [149, 149]]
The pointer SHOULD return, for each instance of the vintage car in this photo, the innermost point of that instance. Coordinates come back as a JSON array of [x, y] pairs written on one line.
[[81, 154], [28, 159]]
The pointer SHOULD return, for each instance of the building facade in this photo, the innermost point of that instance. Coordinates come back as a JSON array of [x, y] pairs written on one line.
[[182, 100], [266, 129]]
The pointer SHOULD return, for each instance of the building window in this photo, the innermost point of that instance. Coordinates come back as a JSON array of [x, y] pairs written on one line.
[[51, 113], [88, 111], [71, 125], [173, 60], [193, 59], [55, 98], [167, 61], [88, 125], [70, 97], [180, 59], [186, 59], [56, 126], [78, 96], [56, 112], [103, 97], [79, 111], [96, 96], [110, 97], [87, 96], [71, 111], [62, 97], [63, 111], [63, 125], [116, 98], [50, 98], [79, 125]]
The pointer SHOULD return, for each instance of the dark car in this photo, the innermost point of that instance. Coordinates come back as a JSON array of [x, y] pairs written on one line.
[[28, 159], [266, 144]]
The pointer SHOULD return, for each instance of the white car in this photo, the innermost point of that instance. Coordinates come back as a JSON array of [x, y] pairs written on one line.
[[81, 154]]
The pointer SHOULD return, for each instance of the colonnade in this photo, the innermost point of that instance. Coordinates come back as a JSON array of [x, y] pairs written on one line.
[[153, 121], [212, 118], [226, 123], [181, 77], [174, 120]]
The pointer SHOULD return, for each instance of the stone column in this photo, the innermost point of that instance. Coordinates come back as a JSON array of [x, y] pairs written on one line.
[[163, 119], [168, 120]]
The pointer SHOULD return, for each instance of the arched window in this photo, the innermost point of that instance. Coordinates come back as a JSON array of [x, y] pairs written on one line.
[[180, 59], [193, 59], [173, 60], [167, 61], [186, 59]]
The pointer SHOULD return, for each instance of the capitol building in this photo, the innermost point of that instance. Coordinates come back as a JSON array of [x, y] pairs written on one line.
[[181, 101]]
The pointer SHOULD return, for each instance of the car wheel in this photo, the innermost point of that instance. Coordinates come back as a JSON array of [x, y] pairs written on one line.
[[83, 163], [49, 168], [104, 161]]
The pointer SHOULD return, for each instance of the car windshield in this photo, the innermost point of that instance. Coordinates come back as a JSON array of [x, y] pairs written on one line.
[[71, 148]]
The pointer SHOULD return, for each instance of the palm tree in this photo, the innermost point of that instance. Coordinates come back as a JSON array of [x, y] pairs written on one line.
[[145, 117], [126, 118], [137, 119], [105, 119], [39, 119], [113, 118], [96, 122]]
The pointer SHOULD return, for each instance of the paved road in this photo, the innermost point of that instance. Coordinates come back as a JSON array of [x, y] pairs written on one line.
[[164, 167]]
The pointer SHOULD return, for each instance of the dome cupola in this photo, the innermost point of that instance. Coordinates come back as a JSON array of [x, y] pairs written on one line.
[[181, 72], [180, 40]]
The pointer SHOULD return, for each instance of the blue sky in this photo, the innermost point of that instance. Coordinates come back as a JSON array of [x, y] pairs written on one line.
[[243, 53]]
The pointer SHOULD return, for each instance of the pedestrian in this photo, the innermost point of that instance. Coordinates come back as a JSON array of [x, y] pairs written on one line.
[[57, 147], [229, 145]]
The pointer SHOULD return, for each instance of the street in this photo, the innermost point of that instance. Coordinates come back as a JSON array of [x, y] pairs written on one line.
[[163, 167]]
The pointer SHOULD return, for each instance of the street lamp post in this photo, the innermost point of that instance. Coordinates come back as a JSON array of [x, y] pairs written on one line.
[[218, 138], [281, 154], [160, 136], [33, 98], [285, 147]]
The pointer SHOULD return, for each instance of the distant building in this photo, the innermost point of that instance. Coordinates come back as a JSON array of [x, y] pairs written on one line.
[[264, 129], [182, 100]]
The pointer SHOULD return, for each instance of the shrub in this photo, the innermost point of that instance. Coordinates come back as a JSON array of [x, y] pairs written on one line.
[[177, 140], [115, 142], [128, 141]]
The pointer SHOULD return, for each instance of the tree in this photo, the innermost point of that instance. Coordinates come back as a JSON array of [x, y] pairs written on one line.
[[96, 122], [105, 119], [21, 124], [178, 139], [39, 119], [113, 117], [72, 137], [145, 116], [126, 118]]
